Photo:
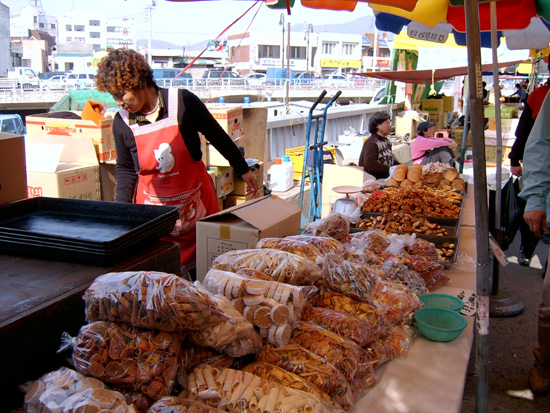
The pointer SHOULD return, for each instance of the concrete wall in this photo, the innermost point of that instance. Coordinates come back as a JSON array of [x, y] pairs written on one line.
[[4, 39]]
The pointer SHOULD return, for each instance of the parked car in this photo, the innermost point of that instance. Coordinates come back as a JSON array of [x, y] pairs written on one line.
[[378, 96], [57, 82], [335, 80], [80, 81], [12, 123], [47, 75], [308, 79], [167, 77], [219, 77], [277, 76], [26, 77], [256, 79]]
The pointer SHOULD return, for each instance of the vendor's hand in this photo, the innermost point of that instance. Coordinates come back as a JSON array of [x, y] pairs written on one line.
[[453, 145], [536, 221], [252, 185], [516, 170]]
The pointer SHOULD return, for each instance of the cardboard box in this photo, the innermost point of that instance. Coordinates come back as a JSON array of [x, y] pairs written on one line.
[[336, 175], [242, 226], [491, 147], [239, 187], [107, 178], [13, 174], [406, 124], [506, 125], [62, 167], [102, 134], [231, 120], [224, 179], [234, 200], [448, 103], [436, 113]]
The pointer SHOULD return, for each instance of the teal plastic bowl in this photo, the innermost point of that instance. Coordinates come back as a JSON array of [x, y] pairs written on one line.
[[442, 301], [439, 324]]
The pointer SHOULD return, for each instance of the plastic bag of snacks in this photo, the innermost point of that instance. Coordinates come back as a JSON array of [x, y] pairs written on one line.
[[294, 246], [236, 390], [335, 225], [395, 270], [344, 354], [311, 367], [151, 300], [346, 277], [431, 272], [235, 336], [192, 355], [326, 245], [173, 404], [395, 302], [346, 325], [375, 241], [282, 266], [127, 357], [275, 373], [394, 343], [66, 390]]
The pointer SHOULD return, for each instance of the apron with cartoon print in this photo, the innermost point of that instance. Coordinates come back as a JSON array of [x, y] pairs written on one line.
[[170, 176]]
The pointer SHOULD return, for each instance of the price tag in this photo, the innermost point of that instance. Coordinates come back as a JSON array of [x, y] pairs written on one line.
[[468, 297], [497, 251]]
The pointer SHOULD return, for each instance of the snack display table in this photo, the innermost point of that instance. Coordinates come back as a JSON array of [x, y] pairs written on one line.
[[41, 299], [431, 376]]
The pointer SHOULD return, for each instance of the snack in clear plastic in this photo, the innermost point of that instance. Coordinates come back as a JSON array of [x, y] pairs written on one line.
[[282, 266], [313, 368], [192, 356], [174, 404], [348, 305], [395, 270], [431, 272], [335, 225], [127, 357], [374, 240], [395, 302], [65, 390], [393, 344], [325, 245], [294, 246], [152, 300], [359, 330]]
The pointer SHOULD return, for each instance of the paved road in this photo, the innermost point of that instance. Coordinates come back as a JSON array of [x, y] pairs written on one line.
[[511, 341]]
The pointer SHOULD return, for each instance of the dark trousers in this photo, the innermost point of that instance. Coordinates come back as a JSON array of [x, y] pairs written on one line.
[[529, 240]]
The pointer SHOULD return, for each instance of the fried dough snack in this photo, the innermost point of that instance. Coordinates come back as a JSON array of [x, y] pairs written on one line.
[[235, 336], [344, 354], [431, 272], [348, 305], [395, 343], [275, 373], [65, 390], [346, 277], [281, 266], [375, 241], [192, 356], [236, 390], [297, 247], [326, 245], [313, 368], [127, 357], [335, 225], [346, 325], [152, 300], [395, 302], [173, 404]]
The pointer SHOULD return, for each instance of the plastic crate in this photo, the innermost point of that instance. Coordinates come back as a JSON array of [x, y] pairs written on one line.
[[296, 156], [506, 112]]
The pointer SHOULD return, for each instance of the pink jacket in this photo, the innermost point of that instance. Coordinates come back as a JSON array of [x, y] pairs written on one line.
[[421, 144]]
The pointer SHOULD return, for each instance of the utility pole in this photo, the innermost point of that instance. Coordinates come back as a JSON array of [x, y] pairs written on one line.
[[150, 5], [282, 23]]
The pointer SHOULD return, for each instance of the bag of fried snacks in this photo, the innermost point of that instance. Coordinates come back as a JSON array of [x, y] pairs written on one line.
[[313, 368], [281, 266], [192, 355], [66, 390], [348, 305], [174, 404], [364, 379], [343, 353], [335, 225], [394, 270], [301, 248], [235, 336], [275, 373], [431, 272], [346, 277], [326, 245], [394, 343], [358, 330], [395, 302], [375, 241], [152, 300], [236, 390], [127, 357]]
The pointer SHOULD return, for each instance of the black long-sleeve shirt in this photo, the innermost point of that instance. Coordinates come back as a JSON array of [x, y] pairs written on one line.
[[193, 117]]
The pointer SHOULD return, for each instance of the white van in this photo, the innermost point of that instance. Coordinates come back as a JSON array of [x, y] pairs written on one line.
[[80, 81], [26, 77]]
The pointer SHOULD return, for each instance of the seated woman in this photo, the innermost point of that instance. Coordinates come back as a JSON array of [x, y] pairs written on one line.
[[428, 149]]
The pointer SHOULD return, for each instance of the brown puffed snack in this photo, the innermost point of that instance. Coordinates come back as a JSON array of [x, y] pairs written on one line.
[[400, 172], [325, 245], [392, 182], [175, 404], [450, 174], [458, 184], [192, 356], [415, 173], [127, 357], [444, 184], [406, 182], [152, 300], [294, 246]]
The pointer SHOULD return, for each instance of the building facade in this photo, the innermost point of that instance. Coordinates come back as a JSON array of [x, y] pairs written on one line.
[[5, 46]]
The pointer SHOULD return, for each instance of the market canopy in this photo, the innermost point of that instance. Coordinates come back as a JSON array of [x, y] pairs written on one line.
[[429, 76]]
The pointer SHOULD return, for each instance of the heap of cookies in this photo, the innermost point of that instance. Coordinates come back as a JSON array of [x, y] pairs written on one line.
[[414, 176]]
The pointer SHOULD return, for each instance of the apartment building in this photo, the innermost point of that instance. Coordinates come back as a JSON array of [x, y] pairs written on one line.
[[32, 18]]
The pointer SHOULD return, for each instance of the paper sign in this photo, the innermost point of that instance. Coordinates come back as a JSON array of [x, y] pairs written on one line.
[[438, 34], [497, 251], [468, 297]]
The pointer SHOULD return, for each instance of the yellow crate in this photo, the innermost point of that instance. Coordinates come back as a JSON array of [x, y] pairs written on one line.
[[296, 156]]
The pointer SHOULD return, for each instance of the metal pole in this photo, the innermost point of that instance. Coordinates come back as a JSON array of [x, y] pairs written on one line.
[[150, 5], [483, 269], [288, 70], [282, 23]]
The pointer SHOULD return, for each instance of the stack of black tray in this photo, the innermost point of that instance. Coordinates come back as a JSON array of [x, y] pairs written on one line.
[[87, 232]]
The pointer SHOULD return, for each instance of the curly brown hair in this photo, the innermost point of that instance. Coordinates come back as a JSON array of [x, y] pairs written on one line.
[[122, 70]]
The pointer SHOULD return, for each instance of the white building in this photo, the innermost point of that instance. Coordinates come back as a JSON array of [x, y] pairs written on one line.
[[5, 58], [96, 29], [32, 18]]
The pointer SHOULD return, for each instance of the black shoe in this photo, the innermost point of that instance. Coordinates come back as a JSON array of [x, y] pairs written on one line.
[[523, 260]]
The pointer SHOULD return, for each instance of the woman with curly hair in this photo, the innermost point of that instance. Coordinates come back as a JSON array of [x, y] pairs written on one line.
[[158, 145], [376, 155]]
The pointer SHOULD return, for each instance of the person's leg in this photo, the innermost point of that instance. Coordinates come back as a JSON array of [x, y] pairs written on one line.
[[539, 378], [528, 245]]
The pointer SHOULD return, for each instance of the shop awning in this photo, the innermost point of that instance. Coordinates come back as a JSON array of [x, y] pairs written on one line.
[[429, 76], [366, 42]]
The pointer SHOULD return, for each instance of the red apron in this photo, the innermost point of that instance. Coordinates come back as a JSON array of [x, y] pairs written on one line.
[[170, 176]]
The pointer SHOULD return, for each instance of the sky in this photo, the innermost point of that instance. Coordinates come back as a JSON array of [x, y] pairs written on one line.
[[190, 22]]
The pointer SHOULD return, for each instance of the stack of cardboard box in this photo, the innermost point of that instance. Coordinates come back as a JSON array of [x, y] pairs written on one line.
[[13, 177]]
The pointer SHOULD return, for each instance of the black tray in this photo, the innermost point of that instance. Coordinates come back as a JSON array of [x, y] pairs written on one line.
[[439, 241], [88, 232]]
